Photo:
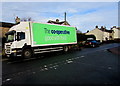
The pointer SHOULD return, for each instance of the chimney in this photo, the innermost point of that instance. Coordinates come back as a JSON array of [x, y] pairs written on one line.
[[57, 20], [102, 27], [17, 20], [114, 26], [65, 16], [96, 26]]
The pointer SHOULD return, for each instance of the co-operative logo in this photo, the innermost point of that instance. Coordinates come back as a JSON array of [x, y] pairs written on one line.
[[56, 31]]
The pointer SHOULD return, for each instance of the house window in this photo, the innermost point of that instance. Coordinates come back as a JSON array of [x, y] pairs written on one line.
[[110, 36]]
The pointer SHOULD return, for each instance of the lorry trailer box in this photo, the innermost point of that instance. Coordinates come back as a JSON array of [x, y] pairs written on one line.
[[46, 34]]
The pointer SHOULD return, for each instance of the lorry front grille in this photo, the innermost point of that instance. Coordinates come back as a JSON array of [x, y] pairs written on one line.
[[8, 50]]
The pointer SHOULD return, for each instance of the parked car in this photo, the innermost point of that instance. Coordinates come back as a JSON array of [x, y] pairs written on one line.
[[92, 43]]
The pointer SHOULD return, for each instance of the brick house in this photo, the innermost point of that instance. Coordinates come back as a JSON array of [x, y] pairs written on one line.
[[4, 27]]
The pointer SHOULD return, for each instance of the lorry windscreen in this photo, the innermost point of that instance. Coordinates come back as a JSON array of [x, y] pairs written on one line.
[[10, 36]]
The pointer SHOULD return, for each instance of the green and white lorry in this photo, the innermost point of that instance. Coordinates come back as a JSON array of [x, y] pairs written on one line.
[[28, 38]]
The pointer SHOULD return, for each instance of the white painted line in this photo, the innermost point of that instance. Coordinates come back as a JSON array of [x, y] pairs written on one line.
[[33, 72], [77, 57], [45, 65], [72, 58], [46, 68], [56, 63], [69, 62], [8, 79], [65, 63], [109, 68], [82, 56], [55, 68], [69, 59], [50, 64], [51, 67]]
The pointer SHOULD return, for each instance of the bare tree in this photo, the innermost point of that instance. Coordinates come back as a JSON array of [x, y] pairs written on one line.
[[27, 19], [78, 31]]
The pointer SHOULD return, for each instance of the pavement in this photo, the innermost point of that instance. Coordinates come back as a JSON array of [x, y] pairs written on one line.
[[115, 50]]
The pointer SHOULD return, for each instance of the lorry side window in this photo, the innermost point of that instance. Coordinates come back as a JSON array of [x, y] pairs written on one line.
[[22, 35]]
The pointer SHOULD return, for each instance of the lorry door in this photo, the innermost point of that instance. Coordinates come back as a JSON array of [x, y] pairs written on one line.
[[20, 38]]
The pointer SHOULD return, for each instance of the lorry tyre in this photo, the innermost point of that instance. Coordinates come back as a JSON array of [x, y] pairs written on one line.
[[65, 48], [27, 53]]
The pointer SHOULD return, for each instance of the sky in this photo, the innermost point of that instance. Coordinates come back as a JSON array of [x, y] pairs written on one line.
[[83, 15]]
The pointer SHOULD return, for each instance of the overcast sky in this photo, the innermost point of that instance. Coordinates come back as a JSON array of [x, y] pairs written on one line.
[[83, 15]]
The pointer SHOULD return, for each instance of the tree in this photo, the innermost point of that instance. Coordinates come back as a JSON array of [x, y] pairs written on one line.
[[27, 19], [17, 19], [78, 31], [83, 37]]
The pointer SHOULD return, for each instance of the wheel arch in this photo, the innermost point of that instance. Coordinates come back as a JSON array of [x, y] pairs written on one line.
[[26, 46]]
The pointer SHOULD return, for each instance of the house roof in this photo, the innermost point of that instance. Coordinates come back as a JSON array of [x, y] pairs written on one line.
[[57, 22], [116, 28], [105, 30], [6, 24], [102, 29]]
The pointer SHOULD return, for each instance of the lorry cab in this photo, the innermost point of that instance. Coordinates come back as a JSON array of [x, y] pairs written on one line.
[[16, 38]]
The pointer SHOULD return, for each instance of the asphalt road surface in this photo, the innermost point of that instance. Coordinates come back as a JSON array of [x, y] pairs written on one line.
[[90, 66]]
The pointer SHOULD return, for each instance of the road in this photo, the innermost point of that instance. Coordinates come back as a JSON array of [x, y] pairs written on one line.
[[90, 66]]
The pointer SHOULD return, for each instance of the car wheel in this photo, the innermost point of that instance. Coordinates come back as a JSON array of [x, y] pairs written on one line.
[[93, 45]]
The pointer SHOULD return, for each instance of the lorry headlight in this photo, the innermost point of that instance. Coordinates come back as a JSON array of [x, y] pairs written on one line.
[[14, 51]]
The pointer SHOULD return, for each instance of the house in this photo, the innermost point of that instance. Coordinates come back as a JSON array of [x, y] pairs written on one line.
[[107, 33], [101, 34], [116, 31], [4, 27], [58, 22]]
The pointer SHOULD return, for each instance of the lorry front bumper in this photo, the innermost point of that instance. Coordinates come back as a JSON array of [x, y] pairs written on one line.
[[14, 53]]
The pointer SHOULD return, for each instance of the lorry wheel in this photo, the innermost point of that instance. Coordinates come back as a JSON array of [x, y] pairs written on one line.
[[27, 53], [65, 48]]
